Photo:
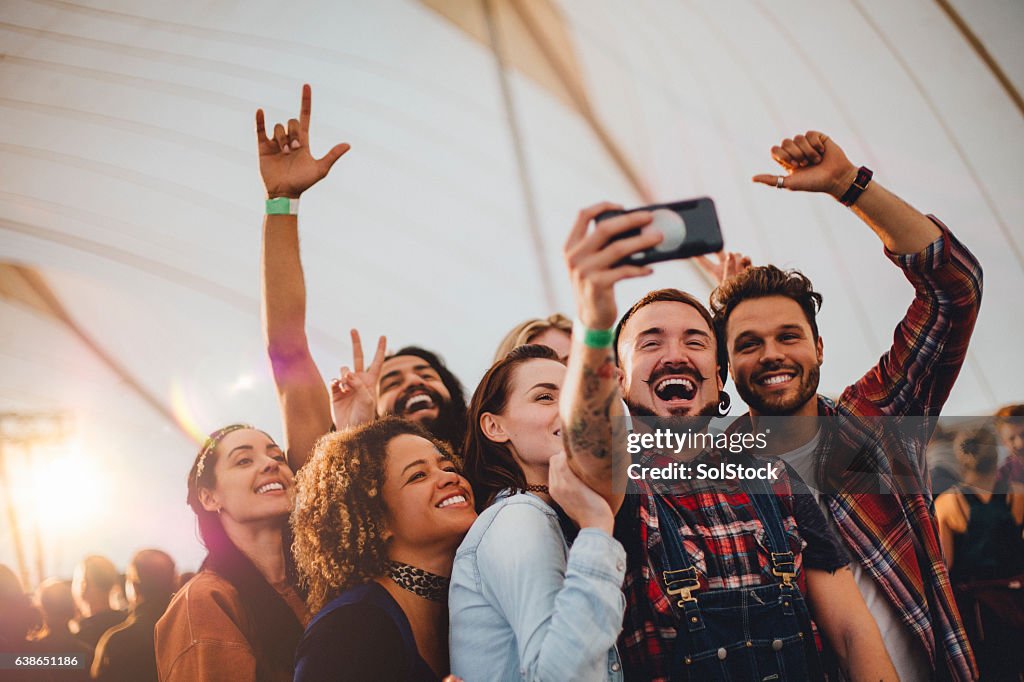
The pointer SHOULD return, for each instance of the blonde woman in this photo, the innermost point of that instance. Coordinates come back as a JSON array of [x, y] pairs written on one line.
[[553, 331]]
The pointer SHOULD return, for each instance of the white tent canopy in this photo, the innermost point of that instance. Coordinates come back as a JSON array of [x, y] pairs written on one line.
[[129, 185]]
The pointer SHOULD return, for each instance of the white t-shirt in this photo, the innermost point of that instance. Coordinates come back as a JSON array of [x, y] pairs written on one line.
[[905, 651]]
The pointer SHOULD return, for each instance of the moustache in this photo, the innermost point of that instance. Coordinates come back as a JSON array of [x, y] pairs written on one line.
[[402, 401], [669, 370], [797, 370]]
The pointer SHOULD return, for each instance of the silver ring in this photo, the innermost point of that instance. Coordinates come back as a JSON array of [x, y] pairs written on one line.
[[778, 182]]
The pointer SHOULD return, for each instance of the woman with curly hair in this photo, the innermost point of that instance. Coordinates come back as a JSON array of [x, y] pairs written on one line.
[[379, 512], [240, 617], [534, 596]]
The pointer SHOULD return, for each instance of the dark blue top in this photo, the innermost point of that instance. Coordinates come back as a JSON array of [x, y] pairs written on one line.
[[362, 634]]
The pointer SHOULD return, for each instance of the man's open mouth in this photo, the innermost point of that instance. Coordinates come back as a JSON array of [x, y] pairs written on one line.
[[417, 402], [675, 388]]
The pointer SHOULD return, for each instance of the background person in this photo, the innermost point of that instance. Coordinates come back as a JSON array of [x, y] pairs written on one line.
[[126, 652], [58, 608], [1009, 424], [93, 585], [985, 558], [553, 331], [18, 616]]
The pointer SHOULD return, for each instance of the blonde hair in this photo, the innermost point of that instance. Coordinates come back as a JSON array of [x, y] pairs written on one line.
[[338, 521], [525, 332]]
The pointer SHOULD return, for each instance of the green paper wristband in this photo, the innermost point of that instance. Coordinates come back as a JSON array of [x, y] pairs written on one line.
[[282, 206], [593, 338]]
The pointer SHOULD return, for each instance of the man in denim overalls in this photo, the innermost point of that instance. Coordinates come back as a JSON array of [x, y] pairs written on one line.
[[716, 574]]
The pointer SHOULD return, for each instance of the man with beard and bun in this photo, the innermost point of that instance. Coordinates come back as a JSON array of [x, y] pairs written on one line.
[[880, 505], [716, 572], [412, 383]]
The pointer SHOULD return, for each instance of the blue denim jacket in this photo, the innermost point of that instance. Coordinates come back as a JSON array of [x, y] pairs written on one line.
[[524, 606]]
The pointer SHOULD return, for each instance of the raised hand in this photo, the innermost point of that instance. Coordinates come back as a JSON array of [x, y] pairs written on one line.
[[725, 265], [286, 163], [354, 393], [583, 505], [813, 163], [591, 260]]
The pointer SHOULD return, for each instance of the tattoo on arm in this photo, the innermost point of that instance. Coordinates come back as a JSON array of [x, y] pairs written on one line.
[[590, 430]]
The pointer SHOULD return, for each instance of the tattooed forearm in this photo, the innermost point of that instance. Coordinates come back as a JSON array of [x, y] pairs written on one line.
[[590, 433], [589, 426]]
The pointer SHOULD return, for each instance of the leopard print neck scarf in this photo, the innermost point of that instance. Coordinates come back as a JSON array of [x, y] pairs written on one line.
[[421, 583]]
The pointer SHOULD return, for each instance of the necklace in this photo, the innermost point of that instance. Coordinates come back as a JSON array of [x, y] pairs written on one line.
[[537, 489], [418, 581]]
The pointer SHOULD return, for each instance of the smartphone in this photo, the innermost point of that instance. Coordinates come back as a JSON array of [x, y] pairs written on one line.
[[690, 229]]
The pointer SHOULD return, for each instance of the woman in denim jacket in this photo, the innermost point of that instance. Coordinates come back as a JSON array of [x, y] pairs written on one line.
[[532, 596]]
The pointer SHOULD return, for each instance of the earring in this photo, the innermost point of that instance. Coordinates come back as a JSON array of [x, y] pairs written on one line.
[[724, 403]]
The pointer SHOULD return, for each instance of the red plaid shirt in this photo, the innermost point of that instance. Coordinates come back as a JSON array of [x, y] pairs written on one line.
[[894, 536], [722, 535]]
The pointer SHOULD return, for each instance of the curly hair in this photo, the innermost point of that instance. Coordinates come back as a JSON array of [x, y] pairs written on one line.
[[760, 282], [338, 518], [525, 332]]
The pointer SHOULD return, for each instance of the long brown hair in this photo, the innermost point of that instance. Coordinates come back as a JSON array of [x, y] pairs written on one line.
[[490, 467], [276, 629]]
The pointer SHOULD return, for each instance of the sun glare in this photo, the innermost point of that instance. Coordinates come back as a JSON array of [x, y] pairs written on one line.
[[67, 492]]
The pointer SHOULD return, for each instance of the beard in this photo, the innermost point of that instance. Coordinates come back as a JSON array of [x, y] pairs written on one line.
[[709, 409], [450, 423], [781, 406]]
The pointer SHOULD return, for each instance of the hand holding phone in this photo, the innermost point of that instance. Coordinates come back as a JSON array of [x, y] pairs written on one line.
[[594, 263], [690, 228]]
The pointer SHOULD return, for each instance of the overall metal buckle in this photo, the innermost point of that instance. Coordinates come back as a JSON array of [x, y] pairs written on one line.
[[682, 582], [784, 567]]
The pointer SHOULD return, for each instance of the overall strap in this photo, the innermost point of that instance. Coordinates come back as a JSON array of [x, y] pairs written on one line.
[[680, 576], [783, 561]]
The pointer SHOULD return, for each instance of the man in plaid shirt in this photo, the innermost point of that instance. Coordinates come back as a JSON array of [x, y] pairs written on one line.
[[766, 318], [742, 616]]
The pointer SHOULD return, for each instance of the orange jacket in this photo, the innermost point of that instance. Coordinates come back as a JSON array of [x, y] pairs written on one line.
[[204, 637]]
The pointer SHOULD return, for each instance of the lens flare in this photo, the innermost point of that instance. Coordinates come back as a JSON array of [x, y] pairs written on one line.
[[181, 407]]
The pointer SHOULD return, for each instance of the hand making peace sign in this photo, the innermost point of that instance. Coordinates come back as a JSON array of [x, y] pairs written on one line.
[[354, 393]]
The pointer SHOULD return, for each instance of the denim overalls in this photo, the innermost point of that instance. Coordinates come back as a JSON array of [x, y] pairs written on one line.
[[757, 634]]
